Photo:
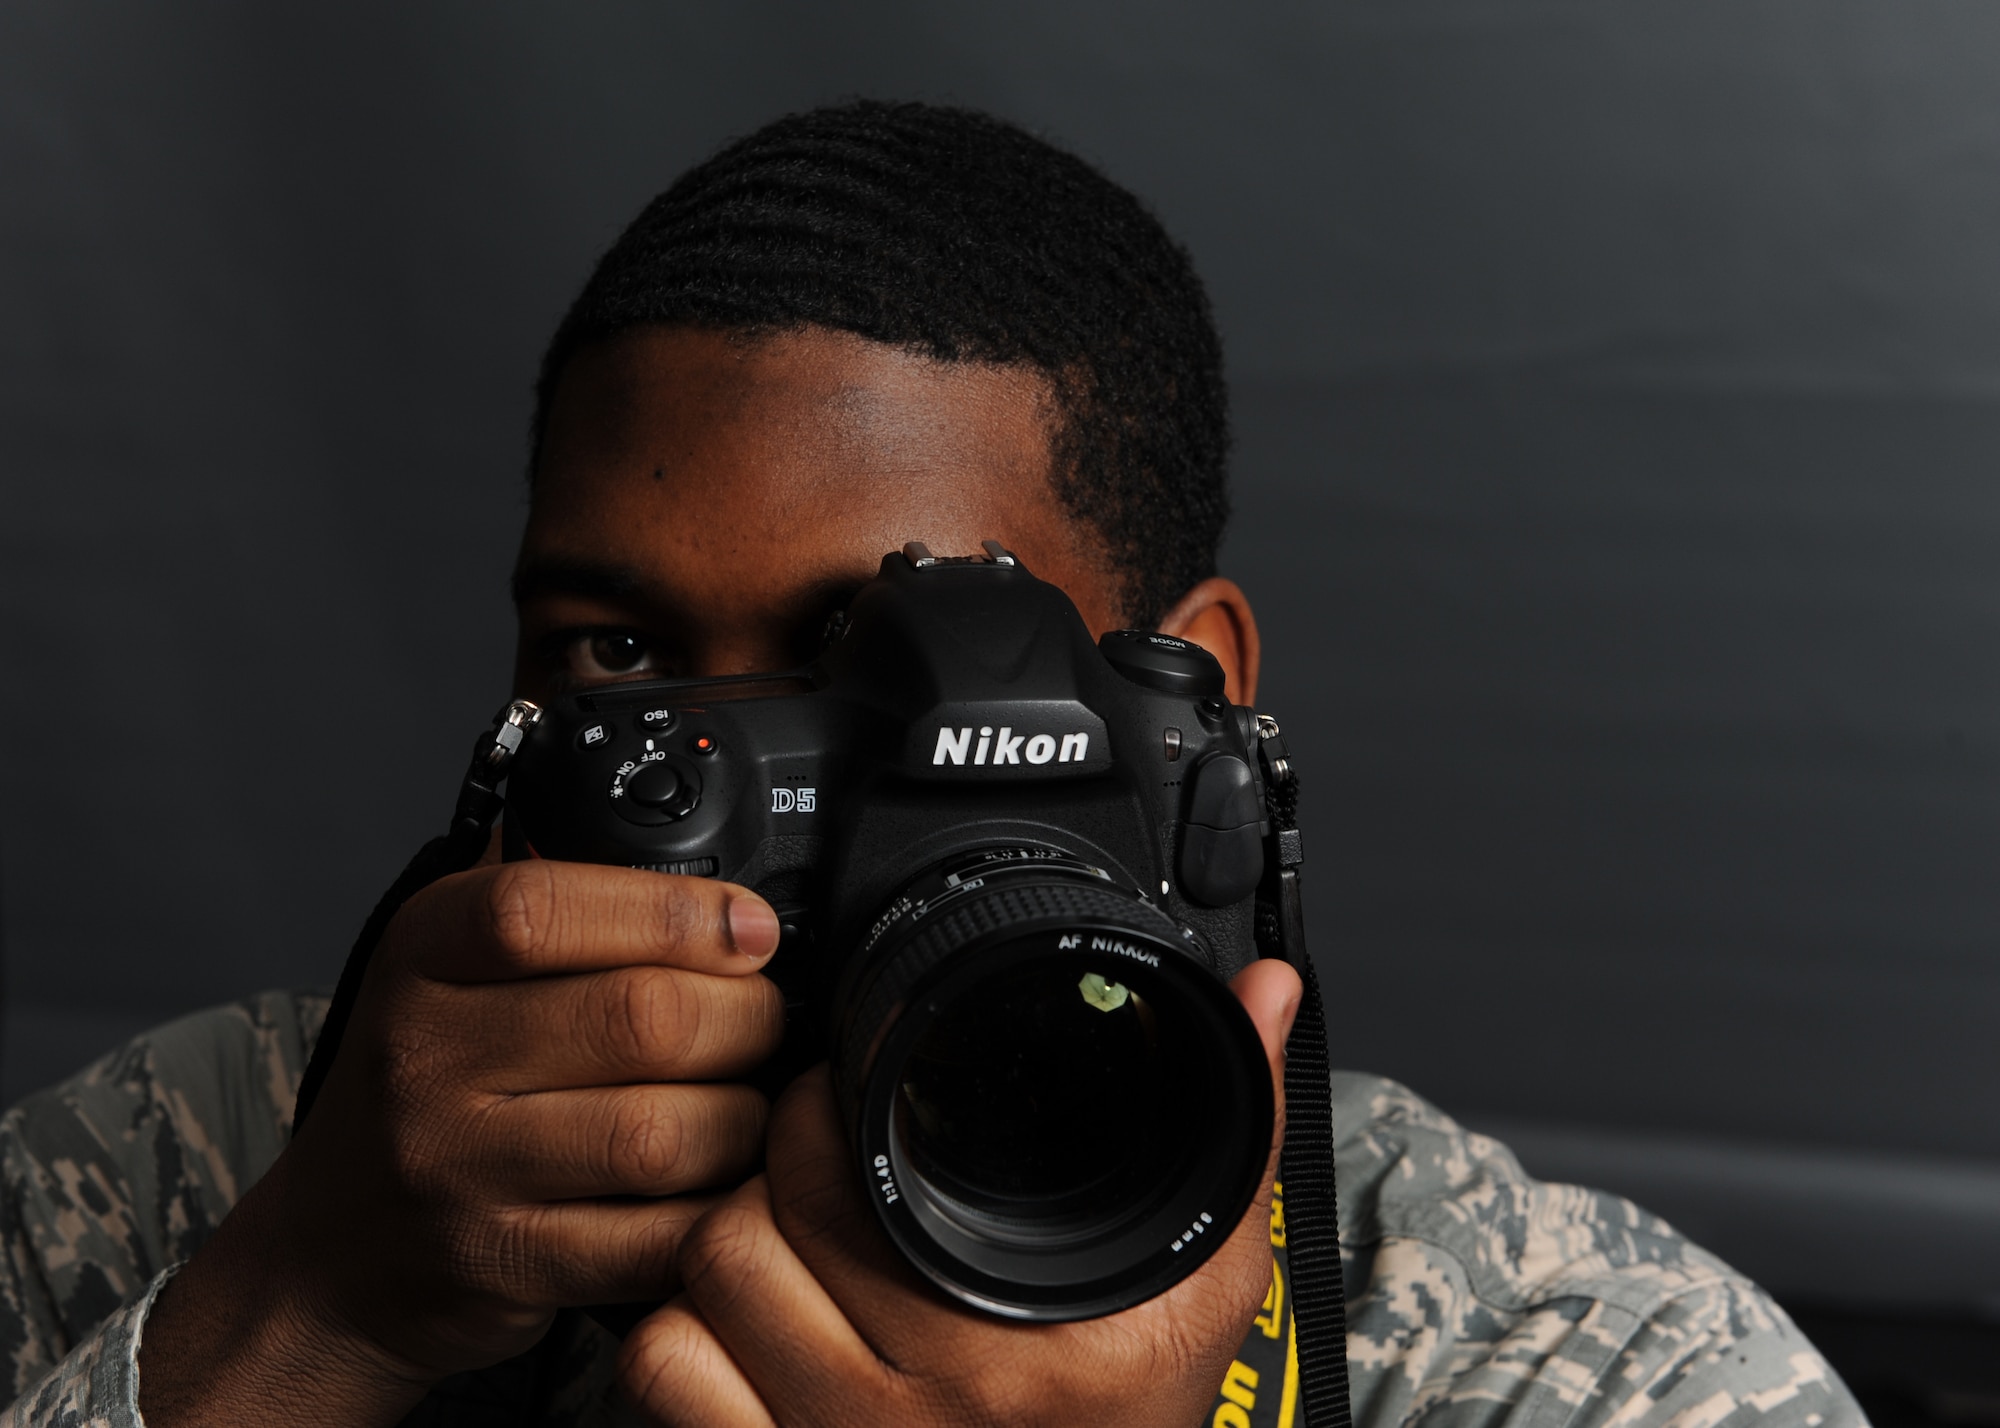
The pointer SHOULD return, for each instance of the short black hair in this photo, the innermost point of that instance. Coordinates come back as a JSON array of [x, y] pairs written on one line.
[[955, 234]]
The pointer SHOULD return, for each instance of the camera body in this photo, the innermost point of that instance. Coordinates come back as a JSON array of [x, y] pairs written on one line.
[[1015, 869]]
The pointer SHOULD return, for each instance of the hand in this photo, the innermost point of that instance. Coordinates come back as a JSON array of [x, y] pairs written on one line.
[[799, 1311], [534, 1044]]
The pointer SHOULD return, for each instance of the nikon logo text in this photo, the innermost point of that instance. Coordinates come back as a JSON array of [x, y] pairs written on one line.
[[1008, 747]]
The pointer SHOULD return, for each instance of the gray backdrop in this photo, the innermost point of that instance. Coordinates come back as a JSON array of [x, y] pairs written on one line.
[[1617, 402]]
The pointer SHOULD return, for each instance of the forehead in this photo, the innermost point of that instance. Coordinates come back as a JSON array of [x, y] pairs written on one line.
[[737, 473]]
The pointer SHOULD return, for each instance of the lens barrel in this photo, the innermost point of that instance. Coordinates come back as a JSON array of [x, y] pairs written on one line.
[[1059, 1108]]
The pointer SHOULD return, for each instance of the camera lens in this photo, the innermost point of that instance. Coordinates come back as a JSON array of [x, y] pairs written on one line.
[[1035, 1095], [1061, 1110]]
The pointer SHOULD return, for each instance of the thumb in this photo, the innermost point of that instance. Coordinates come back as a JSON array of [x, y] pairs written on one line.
[[1270, 991]]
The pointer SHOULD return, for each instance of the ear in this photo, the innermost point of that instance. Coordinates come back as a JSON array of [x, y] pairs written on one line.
[[1216, 615]]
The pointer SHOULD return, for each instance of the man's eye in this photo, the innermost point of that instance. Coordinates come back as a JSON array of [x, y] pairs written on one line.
[[617, 653], [612, 654]]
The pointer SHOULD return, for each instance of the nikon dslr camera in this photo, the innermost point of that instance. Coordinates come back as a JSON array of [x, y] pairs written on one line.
[[1015, 870]]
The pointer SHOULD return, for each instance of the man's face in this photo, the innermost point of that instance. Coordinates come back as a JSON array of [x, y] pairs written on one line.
[[704, 502]]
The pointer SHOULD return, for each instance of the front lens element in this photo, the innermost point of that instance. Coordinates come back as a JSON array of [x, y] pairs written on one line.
[[1040, 1099]]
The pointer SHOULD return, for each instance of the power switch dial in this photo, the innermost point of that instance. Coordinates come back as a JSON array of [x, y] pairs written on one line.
[[655, 785], [656, 790]]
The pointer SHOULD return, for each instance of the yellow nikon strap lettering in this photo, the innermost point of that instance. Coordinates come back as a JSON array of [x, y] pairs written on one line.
[[1261, 1388]]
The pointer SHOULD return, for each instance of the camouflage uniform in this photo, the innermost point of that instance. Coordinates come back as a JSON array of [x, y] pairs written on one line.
[[1480, 1296]]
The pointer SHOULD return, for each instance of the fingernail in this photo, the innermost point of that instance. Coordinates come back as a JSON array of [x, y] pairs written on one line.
[[753, 927]]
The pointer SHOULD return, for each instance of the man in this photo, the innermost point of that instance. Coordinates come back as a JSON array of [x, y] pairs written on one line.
[[858, 327]]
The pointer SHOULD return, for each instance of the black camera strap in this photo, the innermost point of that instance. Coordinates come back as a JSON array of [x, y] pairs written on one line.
[[1312, 1209], [479, 803]]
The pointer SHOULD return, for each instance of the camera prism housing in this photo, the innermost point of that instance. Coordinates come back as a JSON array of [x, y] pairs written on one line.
[[1015, 870]]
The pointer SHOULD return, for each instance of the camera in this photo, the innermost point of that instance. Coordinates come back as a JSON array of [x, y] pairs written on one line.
[[1015, 869]]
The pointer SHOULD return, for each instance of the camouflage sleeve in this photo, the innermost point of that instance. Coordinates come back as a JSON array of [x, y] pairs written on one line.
[[126, 1169], [1722, 1355], [1480, 1297], [1717, 1353], [97, 1385]]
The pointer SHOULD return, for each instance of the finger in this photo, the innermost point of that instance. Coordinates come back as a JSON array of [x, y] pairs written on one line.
[[537, 918], [612, 1028], [981, 1368], [1270, 991], [1204, 1317], [576, 1252], [674, 1367], [622, 1140], [743, 1276]]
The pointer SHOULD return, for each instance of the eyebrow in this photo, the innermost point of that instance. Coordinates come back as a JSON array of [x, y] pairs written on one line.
[[575, 577]]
